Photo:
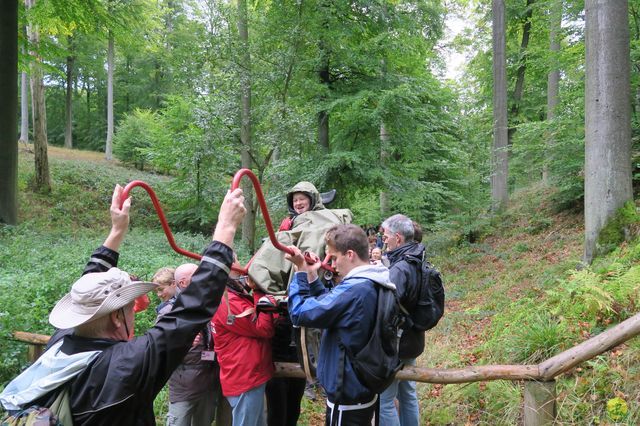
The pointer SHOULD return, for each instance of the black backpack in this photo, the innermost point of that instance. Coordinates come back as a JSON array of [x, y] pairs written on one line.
[[377, 363], [430, 299]]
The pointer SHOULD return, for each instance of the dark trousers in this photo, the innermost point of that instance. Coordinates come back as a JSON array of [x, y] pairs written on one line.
[[348, 416], [283, 401]]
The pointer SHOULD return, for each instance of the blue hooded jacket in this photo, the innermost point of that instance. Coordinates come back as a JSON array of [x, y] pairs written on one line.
[[347, 314]]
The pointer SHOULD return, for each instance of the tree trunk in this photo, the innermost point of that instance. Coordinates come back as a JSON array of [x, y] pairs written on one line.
[[522, 68], [68, 110], [8, 108], [108, 150], [607, 116], [633, 11], [325, 79], [500, 165], [127, 97], [323, 115], [249, 223], [553, 77], [87, 88], [385, 208], [39, 113], [24, 101]]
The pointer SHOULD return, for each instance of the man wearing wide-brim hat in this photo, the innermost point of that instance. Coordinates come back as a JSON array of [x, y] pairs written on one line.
[[109, 378]]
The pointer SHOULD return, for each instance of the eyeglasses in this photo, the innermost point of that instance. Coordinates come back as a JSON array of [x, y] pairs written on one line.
[[242, 279]]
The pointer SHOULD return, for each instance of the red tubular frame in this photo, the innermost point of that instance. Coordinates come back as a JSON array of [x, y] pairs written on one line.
[[235, 184], [163, 219]]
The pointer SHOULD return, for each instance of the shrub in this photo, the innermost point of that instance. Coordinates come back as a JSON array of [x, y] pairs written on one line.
[[137, 131]]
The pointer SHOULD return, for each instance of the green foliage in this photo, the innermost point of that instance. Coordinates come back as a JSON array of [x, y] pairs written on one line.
[[195, 157], [617, 228], [617, 409], [524, 335], [137, 131], [531, 331]]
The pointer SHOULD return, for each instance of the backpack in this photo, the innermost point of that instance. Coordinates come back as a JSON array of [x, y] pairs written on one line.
[[59, 414], [377, 363], [430, 299]]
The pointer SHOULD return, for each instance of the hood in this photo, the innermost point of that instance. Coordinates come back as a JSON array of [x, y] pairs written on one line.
[[376, 273], [412, 249], [50, 371], [308, 189]]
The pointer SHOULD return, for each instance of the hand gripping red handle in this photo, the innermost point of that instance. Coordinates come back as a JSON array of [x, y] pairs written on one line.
[[267, 219]]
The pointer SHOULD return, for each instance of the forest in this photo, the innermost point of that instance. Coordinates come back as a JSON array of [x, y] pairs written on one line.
[[358, 96]]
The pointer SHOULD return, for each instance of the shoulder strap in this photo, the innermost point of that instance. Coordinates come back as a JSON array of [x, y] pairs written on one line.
[[231, 317], [341, 366]]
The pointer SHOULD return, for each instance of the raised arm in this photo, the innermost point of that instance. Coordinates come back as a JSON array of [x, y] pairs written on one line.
[[232, 212], [106, 256], [119, 219]]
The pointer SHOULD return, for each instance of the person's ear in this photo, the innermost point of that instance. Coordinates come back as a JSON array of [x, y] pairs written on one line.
[[115, 318]]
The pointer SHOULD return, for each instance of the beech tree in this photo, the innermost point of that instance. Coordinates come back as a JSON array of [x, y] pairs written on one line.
[[8, 108], [68, 110], [108, 150], [249, 222], [607, 116], [24, 99], [553, 77], [38, 109], [500, 165]]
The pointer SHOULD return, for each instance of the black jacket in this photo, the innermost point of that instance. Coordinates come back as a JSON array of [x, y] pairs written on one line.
[[404, 272], [121, 383]]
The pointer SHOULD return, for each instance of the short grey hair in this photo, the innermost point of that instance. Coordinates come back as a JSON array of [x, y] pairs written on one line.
[[400, 224]]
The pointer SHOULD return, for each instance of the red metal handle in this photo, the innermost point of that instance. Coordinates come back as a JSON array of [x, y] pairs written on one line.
[[163, 219], [165, 225], [267, 219]]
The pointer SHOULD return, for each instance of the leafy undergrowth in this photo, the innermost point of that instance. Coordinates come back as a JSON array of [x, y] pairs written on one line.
[[515, 296]]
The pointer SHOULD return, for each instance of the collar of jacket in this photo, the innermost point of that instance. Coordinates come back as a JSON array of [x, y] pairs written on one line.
[[412, 249]]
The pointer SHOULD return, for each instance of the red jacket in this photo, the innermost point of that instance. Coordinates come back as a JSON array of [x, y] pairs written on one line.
[[244, 347], [286, 224]]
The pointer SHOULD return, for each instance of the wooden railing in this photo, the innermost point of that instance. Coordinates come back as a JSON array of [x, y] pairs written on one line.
[[539, 386]]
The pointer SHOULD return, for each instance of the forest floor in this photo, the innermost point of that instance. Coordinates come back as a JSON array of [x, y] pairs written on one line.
[[511, 261], [71, 154]]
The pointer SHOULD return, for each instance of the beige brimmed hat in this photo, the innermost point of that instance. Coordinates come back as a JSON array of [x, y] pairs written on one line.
[[95, 295]]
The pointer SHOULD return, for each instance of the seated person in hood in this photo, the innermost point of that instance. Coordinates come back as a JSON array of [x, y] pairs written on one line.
[[302, 198]]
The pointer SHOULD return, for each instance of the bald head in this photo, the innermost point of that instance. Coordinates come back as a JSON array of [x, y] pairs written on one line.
[[183, 274]]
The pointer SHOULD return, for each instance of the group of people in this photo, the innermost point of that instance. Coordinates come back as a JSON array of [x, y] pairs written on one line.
[[209, 338]]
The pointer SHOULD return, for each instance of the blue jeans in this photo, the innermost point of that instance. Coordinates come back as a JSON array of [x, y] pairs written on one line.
[[248, 407], [405, 391]]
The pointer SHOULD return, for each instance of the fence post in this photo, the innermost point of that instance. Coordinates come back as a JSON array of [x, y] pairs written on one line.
[[34, 351], [539, 403]]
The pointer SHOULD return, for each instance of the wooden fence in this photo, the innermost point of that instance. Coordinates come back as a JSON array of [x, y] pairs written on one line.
[[539, 380]]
